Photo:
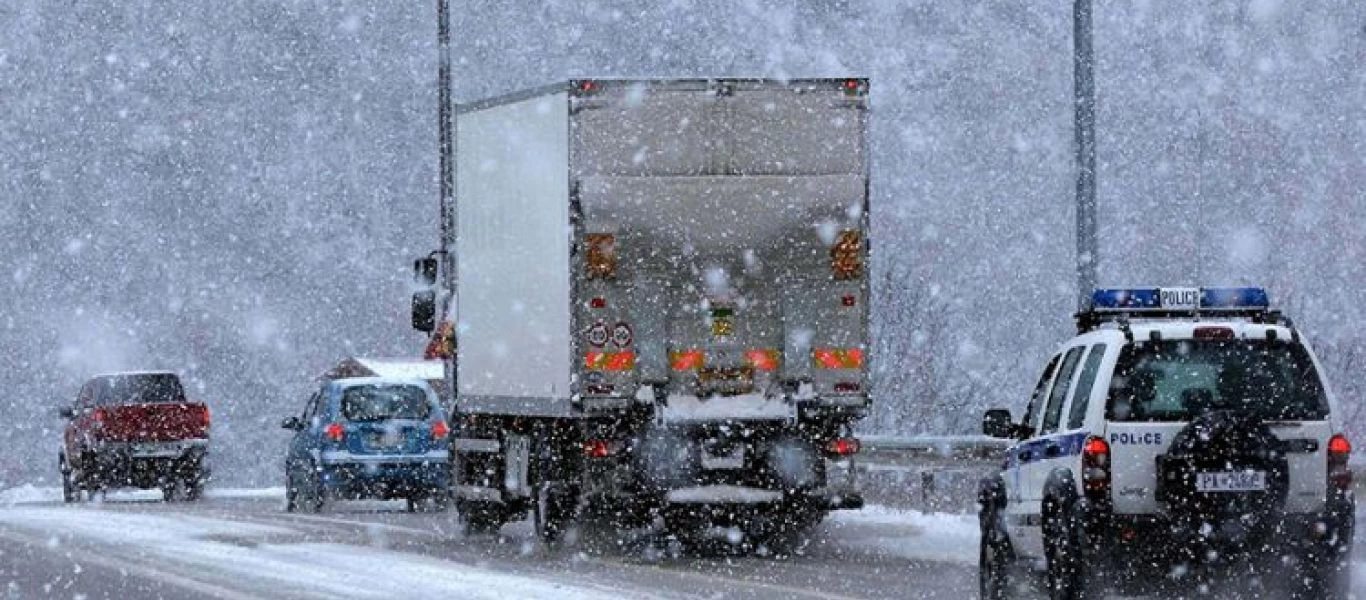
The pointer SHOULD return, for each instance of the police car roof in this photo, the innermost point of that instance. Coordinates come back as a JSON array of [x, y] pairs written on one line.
[[1191, 329]]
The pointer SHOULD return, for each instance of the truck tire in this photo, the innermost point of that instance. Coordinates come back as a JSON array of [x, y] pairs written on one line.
[[479, 518], [291, 493]]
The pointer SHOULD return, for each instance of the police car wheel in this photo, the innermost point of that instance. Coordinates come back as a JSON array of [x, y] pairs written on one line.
[[1070, 576]]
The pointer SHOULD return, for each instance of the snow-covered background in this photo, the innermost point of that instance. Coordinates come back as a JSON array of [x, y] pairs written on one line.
[[234, 189]]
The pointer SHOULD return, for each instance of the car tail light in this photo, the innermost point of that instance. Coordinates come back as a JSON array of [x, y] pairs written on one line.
[[1095, 467], [440, 430], [204, 417], [843, 447], [334, 432], [597, 448], [100, 416], [1339, 474]]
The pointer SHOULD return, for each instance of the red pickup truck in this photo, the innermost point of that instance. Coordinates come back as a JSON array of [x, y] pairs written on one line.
[[135, 430]]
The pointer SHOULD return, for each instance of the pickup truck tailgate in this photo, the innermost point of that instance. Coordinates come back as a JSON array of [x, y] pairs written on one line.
[[156, 422]]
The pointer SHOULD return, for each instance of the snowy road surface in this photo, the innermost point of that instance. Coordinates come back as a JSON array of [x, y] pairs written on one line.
[[242, 545]]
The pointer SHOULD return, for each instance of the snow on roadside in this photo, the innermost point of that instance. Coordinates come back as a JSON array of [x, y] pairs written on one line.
[[908, 533], [280, 558], [30, 494]]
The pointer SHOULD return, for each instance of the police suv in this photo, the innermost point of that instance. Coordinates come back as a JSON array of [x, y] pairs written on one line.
[[1184, 432]]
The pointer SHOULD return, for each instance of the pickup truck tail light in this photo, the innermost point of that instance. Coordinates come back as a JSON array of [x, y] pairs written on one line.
[[100, 416], [204, 419]]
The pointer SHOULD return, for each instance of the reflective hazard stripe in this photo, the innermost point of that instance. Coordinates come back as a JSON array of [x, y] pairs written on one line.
[[762, 360], [609, 361], [838, 358], [687, 360]]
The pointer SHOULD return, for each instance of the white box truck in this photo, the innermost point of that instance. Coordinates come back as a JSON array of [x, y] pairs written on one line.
[[658, 295]]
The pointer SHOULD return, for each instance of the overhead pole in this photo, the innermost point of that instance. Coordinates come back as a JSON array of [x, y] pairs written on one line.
[[1084, 98]]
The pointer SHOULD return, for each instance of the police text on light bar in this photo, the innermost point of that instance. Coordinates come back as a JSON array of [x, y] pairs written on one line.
[[1169, 299]]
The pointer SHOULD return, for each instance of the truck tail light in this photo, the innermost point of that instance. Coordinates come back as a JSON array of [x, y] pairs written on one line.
[[597, 448], [1339, 474], [440, 430], [100, 416], [843, 447], [334, 432], [838, 358], [204, 417], [1095, 467]]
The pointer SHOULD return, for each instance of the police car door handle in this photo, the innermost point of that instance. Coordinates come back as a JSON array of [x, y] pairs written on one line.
[[1025, 454], [1052, 450]]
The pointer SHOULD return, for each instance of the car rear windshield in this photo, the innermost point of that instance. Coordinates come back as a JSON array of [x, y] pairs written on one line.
[[1177, 380], [382, 402], [141, 389]]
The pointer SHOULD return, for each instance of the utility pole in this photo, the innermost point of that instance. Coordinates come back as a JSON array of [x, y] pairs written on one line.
[[1084, 97], [446, 139], [445, 134]]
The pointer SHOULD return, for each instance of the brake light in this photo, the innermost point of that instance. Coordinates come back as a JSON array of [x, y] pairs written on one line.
[[687, 360], [1339, 452], [847, 387], [334, 432], [597, 448], [1213, 333], [100, 416], [843, 446], [1095, 467], [440, 430], [598, 302], [762, 360], [204, 417]]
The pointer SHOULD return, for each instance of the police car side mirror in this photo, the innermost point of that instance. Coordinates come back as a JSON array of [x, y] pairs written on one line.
[[997, 423], [66, 412], [292, 424]]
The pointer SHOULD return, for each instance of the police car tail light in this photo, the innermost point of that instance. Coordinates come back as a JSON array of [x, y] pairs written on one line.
[[440, 430], [334, 432], [1095, 466], [1339, 474]]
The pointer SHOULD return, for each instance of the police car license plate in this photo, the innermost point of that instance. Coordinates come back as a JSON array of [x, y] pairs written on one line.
[[1238, 481], [385, 441]]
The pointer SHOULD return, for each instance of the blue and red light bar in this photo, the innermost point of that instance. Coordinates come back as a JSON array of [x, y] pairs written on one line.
[[1180, 299]]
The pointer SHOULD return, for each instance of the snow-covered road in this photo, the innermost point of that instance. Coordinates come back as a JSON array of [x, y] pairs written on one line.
[[239, 544]]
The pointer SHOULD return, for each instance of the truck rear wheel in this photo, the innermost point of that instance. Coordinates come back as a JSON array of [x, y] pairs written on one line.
[[480, 517], [71, 492], [554, 509]]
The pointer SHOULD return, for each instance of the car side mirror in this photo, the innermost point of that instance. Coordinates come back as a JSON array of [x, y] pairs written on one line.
[[292, 424], [66, 412], [424, 271], [424, 311], [997, 423]]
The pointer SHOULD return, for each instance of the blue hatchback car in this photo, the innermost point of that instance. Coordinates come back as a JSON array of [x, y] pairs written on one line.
[[368, 438]]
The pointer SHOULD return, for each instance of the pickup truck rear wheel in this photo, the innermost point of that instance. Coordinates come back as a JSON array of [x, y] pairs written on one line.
[[70, 491]]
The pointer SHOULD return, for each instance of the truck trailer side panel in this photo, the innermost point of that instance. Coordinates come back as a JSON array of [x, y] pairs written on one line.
[[512, 250]]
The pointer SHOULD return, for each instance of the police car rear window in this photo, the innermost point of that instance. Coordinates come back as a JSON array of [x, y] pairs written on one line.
[[383, 402], [1177, 380]]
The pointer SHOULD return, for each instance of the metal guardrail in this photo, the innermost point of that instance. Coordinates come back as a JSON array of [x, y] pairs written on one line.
[[931, 473]]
